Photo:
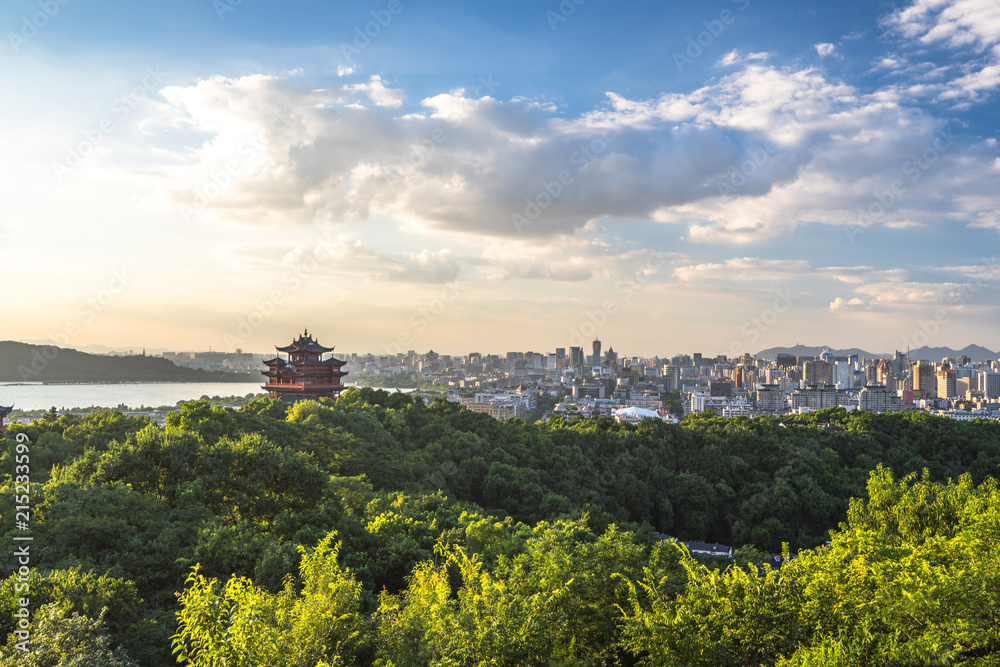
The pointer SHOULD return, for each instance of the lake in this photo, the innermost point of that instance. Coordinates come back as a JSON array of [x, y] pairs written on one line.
[[38, 396]]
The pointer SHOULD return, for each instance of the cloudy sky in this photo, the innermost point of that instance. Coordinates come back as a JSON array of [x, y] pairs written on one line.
[[490, 176]]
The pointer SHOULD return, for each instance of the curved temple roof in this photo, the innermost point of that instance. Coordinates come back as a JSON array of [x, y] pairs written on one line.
[[304, 343]]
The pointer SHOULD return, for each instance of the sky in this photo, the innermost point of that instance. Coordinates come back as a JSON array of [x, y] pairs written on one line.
[[670, 177]]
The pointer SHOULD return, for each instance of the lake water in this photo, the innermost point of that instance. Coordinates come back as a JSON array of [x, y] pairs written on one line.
[[38, 396]]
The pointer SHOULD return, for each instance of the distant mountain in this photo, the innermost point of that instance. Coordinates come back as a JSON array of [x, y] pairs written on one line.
[[975, 352], [22, 362], [814, 351], [101, 349]]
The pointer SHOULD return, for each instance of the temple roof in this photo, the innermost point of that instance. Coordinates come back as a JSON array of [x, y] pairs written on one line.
[[304, 343], [316, 362], [4, 411]]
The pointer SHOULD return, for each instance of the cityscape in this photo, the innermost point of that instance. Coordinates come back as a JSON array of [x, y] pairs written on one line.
[[598, 381]]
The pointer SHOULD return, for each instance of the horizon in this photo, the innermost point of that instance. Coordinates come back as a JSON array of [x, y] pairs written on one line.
[[138, 350], [414, 176]]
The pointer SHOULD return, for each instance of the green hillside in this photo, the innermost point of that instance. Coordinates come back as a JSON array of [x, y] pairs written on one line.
[[379, 530]]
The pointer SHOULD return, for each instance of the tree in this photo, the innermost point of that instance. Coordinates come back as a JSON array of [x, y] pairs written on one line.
[[60, 640], [240, 624]]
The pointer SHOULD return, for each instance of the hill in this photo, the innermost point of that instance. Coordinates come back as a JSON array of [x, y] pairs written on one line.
[[815, 350], [21, 362], [975, 352]]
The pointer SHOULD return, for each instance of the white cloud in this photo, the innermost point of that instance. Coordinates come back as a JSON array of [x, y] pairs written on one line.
[[378, 93], [748, 156], [731, 58], [971, 27], [344, 70], [743, 269], [825, 49], [844, 304], [747, 269]]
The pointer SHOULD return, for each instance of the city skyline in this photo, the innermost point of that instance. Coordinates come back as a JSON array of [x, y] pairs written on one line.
[[928, 353], [728, 177]]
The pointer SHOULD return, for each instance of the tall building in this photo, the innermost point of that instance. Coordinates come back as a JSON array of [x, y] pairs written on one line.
[[817, 372], [946, 387], [786, 361], [875, 398], [770, 398], [305, 375], [576, 356], [989, 384], [673, 377], [843, 374], [596, 359], [720, 388], [924, 379]]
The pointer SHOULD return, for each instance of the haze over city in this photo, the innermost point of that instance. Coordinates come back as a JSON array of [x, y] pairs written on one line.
[[723, 177]]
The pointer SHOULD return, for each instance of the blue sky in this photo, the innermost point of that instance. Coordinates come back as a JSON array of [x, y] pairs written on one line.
[[507, 175]]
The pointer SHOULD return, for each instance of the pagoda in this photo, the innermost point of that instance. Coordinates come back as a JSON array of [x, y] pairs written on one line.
[[305, 375]]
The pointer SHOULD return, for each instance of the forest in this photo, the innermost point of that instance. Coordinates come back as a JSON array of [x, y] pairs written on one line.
[[383, 530]]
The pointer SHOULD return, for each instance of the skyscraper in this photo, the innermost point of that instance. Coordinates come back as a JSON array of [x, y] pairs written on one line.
[[597, 353], [924, 380]]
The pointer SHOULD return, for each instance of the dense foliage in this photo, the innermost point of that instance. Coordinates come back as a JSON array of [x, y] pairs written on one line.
[[379, 530]]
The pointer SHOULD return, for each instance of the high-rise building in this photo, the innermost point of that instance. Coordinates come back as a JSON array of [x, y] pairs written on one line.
[[817, 372], [875, 398], [720, 388], [770, 398], [576, 356], [946, 383], [989, 384], [596, 359], [843, 375], [924, 379], [786, 361], [673, 377]]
